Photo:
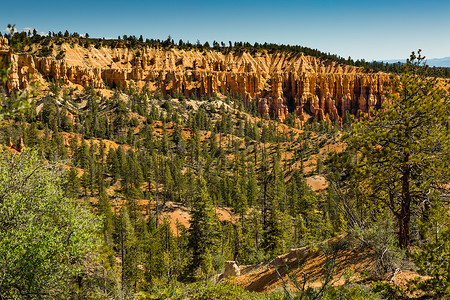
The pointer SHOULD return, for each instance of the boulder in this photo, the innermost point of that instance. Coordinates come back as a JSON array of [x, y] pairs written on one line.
[[231, 269]]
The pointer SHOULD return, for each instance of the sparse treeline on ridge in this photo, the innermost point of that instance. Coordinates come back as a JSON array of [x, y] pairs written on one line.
[[20, 39]]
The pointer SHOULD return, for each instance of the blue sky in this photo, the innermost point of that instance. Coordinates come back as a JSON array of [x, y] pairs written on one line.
[[377, 29]]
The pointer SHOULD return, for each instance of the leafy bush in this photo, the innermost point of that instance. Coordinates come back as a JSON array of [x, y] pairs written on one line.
[[386, 290], [355, 292], [200, 291], [46, 240]]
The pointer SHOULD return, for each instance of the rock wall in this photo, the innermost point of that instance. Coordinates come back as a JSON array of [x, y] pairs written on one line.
[[278, 83]]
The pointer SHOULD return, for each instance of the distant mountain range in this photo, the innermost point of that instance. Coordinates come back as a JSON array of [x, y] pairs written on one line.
[[433, 62], [439, 62]]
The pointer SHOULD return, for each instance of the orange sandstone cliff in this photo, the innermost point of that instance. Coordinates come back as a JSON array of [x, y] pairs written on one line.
[[278, 83]]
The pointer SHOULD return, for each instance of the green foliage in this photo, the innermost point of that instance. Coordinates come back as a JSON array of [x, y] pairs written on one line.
[[73, 184], [273, 235], [222, 291], [380, 237], [231, 292], [354, 292], [61, 55], [203, 229], [47, 241], [201, 290], [403, 147], [128, 254], [206, 158], [433, 256]]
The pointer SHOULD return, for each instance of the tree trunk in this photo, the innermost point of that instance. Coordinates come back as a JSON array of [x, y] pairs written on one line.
[[405, 210], [404, 230]]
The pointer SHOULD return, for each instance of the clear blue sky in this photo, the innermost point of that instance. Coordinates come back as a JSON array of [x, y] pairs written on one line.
[[377, 29]]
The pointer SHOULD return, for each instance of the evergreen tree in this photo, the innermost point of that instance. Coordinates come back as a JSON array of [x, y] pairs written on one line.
[[239, 202], [107, 257], [128, 254], [433, 256], [273, 234], [132, 177], [404, 145], [113, 164], [252, 188], [82, 155], [203, 227], [73, 184], [104, 209]]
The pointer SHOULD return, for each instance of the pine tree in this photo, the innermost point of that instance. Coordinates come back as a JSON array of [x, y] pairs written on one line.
[[273, 233], [82, 155], [301, 232], [253, 237], [32, 136], [239, 202], [121, 163], [73, 146], [404, 146], [153, 251], [252, 189], [113, 164], [84, 182], [433, 256], [60, 147], [132, 178], [164, 143], [128, 254], [104, 209], [203, 227], [73, 183], [107, 257]]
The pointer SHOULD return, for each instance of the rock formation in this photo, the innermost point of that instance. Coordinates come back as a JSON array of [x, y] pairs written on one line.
[[231, 269], [19, 146], [4, 49], [278, 82]]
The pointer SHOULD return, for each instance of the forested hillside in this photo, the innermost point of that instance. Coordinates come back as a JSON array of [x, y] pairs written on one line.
[[111, 170]]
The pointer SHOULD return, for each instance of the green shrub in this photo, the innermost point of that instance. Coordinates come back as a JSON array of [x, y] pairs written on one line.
[[355, 292], [381, 238], [433, 257]]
